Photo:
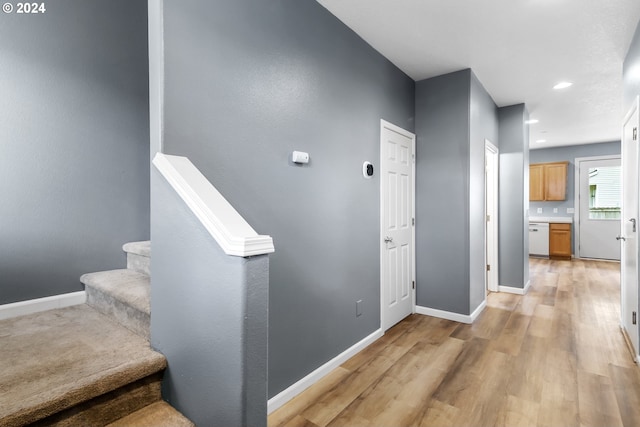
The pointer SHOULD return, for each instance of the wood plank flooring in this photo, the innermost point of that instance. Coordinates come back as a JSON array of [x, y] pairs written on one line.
[[554, 357]]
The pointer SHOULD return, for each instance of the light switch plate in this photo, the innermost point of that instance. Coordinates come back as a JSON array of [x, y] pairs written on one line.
[[571, 210], [539, 210], [555, 210]]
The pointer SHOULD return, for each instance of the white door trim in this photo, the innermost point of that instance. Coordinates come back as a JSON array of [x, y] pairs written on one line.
[[634, 110], [492, 284], [387, 125], [576, 195]]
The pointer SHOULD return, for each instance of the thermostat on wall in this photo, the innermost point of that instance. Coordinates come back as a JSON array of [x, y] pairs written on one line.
[[367, 170], [300, 157]]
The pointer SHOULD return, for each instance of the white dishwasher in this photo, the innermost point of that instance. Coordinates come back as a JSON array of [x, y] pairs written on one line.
[[539, 238]]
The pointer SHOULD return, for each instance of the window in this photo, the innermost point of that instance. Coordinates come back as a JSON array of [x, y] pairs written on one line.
[[604, 192]]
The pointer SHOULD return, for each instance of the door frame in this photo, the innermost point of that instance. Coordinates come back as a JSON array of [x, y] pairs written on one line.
[[491, 279], [633, 110], [387, 125], [576, 194]]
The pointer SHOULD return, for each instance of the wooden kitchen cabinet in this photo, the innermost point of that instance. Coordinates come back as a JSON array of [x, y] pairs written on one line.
[[559, 241], [548, 181], [536, 182]]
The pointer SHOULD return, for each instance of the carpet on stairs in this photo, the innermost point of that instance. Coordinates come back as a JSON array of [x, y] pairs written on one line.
[[54, 360]]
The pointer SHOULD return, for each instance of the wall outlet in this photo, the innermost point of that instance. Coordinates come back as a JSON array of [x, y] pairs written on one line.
[[555, 210], [359, 308], [571, 210], [539, 210]]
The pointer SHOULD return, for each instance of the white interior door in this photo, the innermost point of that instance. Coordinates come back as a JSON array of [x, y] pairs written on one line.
[[628, 227], [599, 201], [397, 254], [491, 209]]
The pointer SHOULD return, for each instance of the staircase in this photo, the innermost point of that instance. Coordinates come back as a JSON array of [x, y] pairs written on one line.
[[90, 364]]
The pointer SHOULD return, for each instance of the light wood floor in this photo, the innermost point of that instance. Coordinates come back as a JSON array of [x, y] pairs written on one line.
[[554, 357]]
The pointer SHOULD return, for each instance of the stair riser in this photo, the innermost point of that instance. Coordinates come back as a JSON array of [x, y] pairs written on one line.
[[139, 263], [108, 407], [132, 319]]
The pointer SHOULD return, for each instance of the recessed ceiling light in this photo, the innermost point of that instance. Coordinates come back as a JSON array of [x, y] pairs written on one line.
[[540, 141], [532, 121], [562, 85]]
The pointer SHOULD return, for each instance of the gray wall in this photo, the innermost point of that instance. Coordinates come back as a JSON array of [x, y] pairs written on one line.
[[442, 192], [454, 116], [514, 196], [631, 72], [212, 327], [484, 125], [246, 83], [74, 141]]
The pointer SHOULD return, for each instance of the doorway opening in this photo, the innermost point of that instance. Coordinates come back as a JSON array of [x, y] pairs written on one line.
[[491, 162]]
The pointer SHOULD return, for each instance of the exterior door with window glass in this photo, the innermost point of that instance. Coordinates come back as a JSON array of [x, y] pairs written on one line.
[[600, 201]]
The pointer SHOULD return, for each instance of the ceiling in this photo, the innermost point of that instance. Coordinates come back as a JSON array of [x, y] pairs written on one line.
[[518, 49]]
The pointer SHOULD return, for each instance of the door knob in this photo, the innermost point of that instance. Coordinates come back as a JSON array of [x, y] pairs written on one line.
[[633, 221], [621, 238], [388, 239]]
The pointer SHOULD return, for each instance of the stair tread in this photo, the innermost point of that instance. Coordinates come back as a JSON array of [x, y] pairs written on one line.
[[124, 285], [142, 248], [63, 357], [158, 414]]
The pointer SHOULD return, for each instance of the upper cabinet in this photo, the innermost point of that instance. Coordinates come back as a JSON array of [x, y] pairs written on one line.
[[548, 181], [536, 182]]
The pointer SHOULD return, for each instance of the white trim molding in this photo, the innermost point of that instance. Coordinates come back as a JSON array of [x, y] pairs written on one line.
[[456, 317], [514, 290], [22, 308], [292, 391], [234, 235]]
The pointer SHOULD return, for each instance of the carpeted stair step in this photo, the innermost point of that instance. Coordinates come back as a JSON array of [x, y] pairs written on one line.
[[74, 367], [123, 295], [138, 256], [158, 414]]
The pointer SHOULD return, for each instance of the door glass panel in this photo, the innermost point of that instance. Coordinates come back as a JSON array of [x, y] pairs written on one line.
[[604, 192]]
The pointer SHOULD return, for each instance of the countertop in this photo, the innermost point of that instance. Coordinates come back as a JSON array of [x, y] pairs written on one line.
[[556, 219]]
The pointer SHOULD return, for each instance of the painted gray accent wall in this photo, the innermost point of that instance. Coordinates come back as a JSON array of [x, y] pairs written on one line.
[[454, 116], [631, 73], [210, 318], [74, 143], [442, 192], [484, 125], [248, 82], [514, 196]]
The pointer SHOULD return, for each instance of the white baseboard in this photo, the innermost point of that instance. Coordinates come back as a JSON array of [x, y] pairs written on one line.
[[478, 310], [514, 290], [21, 308], [456, 317], [289, 393]]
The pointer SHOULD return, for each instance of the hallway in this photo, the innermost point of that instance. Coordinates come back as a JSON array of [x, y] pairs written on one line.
[[554, 357]]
